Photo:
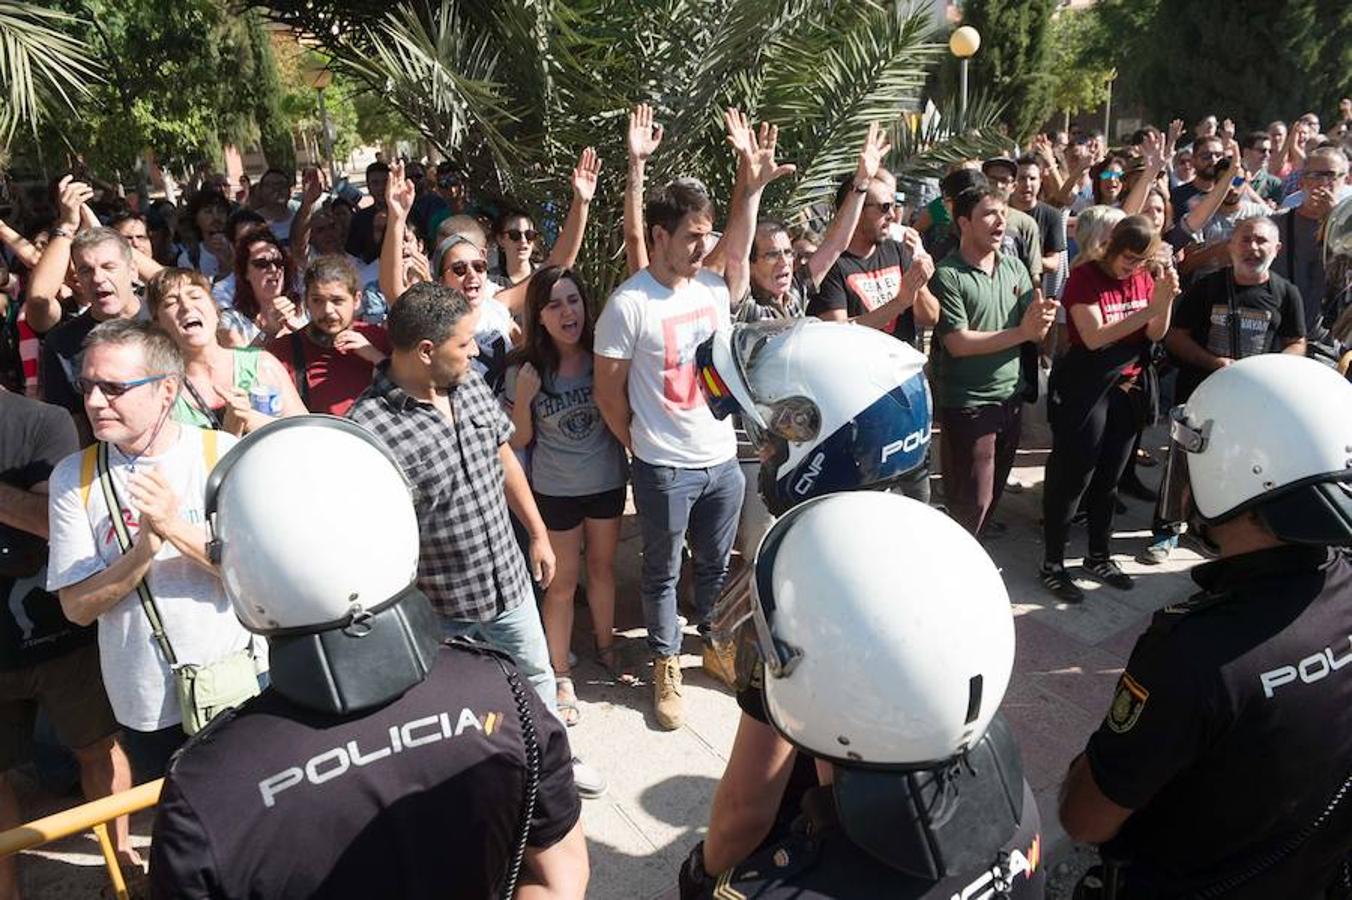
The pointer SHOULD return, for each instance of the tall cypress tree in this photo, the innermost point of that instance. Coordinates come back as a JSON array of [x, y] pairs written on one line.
[[1013, 64]]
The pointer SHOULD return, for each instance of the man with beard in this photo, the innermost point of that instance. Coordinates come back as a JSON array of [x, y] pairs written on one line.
[[331, 358], [1206, 153], [1206, 227], [1301, 258], [1238, 311]]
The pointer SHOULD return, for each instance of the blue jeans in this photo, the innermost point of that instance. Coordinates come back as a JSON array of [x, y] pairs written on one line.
[[517, 632], [670, 501]]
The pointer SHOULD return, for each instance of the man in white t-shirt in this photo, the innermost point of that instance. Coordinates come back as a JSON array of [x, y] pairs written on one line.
[[129, 378], [686, 476]]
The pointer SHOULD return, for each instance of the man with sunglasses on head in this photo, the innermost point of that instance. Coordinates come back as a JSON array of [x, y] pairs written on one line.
[[156, 470], [104, 273]]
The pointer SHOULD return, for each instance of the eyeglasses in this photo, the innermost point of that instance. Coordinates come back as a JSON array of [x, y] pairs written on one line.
[[1110, 176], [111, 389], [884, 207], [263, 263], [1321, 176], [783, 253], [517, 234], [460, 267], [1209, 154]]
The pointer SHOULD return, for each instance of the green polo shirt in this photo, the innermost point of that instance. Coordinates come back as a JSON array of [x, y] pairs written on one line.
[[971, 300]]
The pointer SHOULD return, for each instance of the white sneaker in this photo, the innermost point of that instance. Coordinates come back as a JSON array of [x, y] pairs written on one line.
[[590, 783]]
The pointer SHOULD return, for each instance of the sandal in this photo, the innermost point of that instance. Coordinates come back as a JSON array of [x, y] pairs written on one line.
[[609, 659], [567, 700]]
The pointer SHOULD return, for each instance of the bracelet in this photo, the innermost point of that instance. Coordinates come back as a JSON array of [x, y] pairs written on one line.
[[861, 190], [58, 231]]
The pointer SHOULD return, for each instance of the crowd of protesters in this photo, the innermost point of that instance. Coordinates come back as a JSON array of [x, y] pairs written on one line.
[[526, 411]]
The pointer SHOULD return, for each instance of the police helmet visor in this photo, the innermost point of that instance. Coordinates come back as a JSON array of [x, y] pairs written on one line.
[[1185, 437], [776, 380]]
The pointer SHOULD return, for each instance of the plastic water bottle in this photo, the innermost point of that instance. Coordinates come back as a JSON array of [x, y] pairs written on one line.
[[265, 399]]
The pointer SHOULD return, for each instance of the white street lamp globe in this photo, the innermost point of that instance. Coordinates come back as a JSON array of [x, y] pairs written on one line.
[[964, 42]]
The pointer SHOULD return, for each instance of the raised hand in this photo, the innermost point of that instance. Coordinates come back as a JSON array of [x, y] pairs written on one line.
[[1175, 132], [584, 175], [876, 146], [1152, 150], [644, 134], [527, 384], [312, 187], [1166, 289], [918, 273], [155, 501], [400, 192], [757, 152], [71, 196], [1039, 317]]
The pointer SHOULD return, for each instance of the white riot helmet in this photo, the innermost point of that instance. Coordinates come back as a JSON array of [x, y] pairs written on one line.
[[1272, 434], [885, 629], [829, 407], [314, 530]]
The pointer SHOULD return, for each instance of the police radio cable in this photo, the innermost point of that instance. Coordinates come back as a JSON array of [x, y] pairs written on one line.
[[1291, 845], [532, 747]]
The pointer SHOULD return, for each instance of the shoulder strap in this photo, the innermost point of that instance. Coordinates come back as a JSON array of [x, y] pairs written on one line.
[[207, 412], [210, 450], [124, 541], [532, 748], [298, 365], [1290, 238], [89, 458], [1236, 331]]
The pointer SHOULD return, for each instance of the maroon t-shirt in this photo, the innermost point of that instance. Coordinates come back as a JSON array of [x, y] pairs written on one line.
[[1115, 298], [332, 379]]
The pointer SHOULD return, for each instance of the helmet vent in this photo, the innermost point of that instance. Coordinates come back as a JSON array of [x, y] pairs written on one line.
[[973, 699], [844, 741]]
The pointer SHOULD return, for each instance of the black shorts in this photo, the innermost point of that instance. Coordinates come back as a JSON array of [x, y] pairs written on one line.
[[69, 688], [566, 513]]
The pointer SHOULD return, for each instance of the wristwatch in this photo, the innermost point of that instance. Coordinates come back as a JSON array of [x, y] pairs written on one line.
[[861, 188]]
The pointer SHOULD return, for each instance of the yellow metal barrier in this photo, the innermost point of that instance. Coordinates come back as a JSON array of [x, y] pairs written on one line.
[[94, 815]]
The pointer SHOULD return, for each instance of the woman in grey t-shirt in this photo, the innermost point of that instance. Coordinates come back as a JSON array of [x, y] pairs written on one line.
[[578, 470]]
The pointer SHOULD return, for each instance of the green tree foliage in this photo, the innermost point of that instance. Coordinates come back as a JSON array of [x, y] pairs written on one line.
[[511, 91], [274, 126], [1014, 62], [42, 64], [1247, 60], [1079, 76]]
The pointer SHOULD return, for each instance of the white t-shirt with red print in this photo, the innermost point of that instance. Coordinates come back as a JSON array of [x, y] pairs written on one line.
[[657, 329]]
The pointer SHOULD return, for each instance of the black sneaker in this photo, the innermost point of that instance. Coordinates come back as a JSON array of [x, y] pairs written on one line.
[[1107, 571], [1056, 579]]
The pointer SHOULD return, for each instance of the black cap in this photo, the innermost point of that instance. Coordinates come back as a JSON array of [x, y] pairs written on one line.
[[996, 162], [956, 182]]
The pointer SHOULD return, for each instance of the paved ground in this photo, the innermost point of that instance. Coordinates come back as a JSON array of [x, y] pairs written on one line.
[[1068, 659]]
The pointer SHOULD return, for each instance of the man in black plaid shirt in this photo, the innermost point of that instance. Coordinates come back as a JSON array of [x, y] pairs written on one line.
[[450, 437]]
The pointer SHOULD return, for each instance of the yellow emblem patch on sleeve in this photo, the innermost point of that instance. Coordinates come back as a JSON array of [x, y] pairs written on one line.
[[1127, 704]]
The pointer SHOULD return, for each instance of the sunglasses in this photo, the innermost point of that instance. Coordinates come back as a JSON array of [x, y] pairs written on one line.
[[517, 234], [884, 208], [460, 267], [1321, 176], [111, 389], [262, 263], [1110, 176]]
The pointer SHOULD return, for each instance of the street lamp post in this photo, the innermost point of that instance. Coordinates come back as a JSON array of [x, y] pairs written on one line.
[[1108, 108], [963, 43], [320, 78]]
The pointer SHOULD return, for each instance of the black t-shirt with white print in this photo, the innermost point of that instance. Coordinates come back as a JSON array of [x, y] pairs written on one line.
[[861, 284], [1267, 315]]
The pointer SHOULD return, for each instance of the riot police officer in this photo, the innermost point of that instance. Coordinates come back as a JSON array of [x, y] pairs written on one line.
[[379, 763], [827, 409], [1223, 765], [892, 686]]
